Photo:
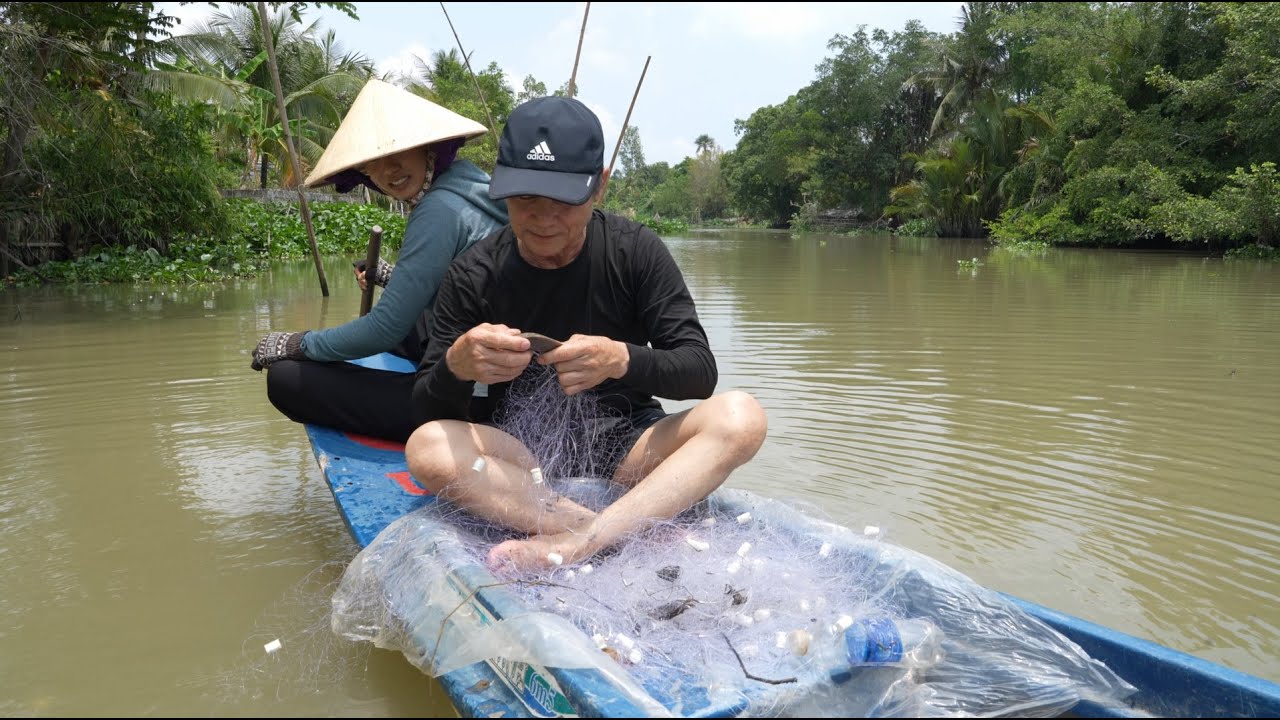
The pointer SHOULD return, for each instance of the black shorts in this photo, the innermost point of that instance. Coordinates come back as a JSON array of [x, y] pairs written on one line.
[[627, 431], [593, 448]]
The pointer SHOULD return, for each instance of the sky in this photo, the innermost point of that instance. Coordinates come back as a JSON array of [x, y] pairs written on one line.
[[710, 63]]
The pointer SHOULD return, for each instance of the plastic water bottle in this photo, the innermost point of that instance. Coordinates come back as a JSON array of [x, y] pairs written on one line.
[[867, 668], [882, 640]]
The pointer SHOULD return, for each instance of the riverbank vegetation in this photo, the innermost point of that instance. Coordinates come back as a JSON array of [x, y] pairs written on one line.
[[1093, 124]]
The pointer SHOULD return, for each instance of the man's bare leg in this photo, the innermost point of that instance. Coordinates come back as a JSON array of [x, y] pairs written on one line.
[[678, 461], [443, 457]]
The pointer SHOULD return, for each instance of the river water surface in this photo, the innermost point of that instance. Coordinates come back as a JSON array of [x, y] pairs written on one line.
[[1096, 431]]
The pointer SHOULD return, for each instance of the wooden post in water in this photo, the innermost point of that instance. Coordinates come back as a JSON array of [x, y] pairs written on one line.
[[265, 20], [370, 269]]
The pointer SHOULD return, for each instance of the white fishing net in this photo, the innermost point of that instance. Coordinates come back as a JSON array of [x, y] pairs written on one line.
[[740, 606]]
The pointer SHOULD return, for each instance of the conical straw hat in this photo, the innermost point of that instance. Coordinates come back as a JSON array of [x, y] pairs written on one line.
[[385, 120]]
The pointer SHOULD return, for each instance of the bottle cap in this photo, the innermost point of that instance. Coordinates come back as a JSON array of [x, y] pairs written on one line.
[[873, 641]]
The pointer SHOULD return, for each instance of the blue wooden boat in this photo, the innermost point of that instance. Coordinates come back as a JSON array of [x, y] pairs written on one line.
[[373, 488]]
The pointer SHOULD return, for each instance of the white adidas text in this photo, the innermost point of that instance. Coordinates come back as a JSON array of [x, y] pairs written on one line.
[[541, 151]]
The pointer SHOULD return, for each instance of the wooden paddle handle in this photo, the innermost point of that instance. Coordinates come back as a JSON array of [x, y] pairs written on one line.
[[370, 269]]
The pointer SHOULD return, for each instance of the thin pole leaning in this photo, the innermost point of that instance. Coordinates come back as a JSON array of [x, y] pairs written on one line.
[[288, 139], [573, 78], [493, 127], [625, 123]]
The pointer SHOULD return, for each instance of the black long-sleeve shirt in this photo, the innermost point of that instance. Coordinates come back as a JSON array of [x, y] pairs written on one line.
[[623, 285]]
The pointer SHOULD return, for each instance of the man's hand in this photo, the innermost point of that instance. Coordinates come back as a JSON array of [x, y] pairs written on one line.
[[277, 346], [584, 361], [381, 274], [489, 354]]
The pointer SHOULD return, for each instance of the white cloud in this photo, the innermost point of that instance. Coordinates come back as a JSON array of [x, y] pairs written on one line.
[[679, 147], [609, 124], [190, 15], [758, 21], [600, 46], [404, 63]]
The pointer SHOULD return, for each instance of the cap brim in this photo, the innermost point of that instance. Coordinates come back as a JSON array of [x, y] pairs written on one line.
[[568, 188]]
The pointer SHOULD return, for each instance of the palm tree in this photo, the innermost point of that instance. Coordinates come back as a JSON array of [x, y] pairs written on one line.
[[222, 61], [90, 45], [968, 65], [334, 59], [704, 143], [962, 181], [446, 80], [948, 190]]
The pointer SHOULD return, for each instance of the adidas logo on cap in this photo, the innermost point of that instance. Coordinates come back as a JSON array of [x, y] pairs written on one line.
[[541, 152]]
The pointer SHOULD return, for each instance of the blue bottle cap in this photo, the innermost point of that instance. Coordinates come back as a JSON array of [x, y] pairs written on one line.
[[873, 641]]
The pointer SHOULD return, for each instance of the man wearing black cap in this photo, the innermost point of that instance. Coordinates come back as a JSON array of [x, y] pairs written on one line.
[[608, 285]]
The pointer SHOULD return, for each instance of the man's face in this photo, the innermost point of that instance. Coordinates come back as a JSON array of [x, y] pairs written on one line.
[[547, 227]]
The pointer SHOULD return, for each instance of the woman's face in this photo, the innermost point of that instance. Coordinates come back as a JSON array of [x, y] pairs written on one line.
[[402, 175]]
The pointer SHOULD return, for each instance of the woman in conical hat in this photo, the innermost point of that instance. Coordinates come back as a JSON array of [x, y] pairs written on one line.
[[405, 147]]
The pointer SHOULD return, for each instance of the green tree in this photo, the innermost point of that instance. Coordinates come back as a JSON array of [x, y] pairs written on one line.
[[631, 152], [445, 80], [766, 173], [90, 156], [51, 47], [672, 198], [968, 65], [139, 174], [531, 88], [629, 190], [1238, 95], [224, 60], [1154, 106], [866, 117], [708, 191]]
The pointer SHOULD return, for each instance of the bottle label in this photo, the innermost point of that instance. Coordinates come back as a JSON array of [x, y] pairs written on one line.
[[875, 642]]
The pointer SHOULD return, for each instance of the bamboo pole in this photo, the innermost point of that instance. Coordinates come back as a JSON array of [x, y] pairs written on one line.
[[573, 78], [493, 127], [288, 139], [625, 123]]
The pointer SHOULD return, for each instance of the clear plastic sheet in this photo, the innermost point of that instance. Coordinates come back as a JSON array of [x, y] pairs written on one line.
[[741, 605]]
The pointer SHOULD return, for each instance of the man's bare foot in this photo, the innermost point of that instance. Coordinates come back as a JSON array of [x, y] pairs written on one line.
[[540, 551], [562, 515]]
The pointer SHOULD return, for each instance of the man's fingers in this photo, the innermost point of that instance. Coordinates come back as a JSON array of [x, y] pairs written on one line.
[[498, 373], [506, 339], [488, 338], [552, 357], [571, 388], [511, 360]]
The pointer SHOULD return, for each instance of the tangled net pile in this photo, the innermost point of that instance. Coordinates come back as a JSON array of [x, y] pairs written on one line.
[[739, 603]]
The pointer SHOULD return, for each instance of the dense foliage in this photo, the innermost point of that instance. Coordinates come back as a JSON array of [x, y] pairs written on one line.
[[1148, 124], [1092, 123], [115, 148], [257, 234]]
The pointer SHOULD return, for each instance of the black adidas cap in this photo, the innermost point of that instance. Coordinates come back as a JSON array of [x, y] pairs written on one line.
[[551, 147]]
